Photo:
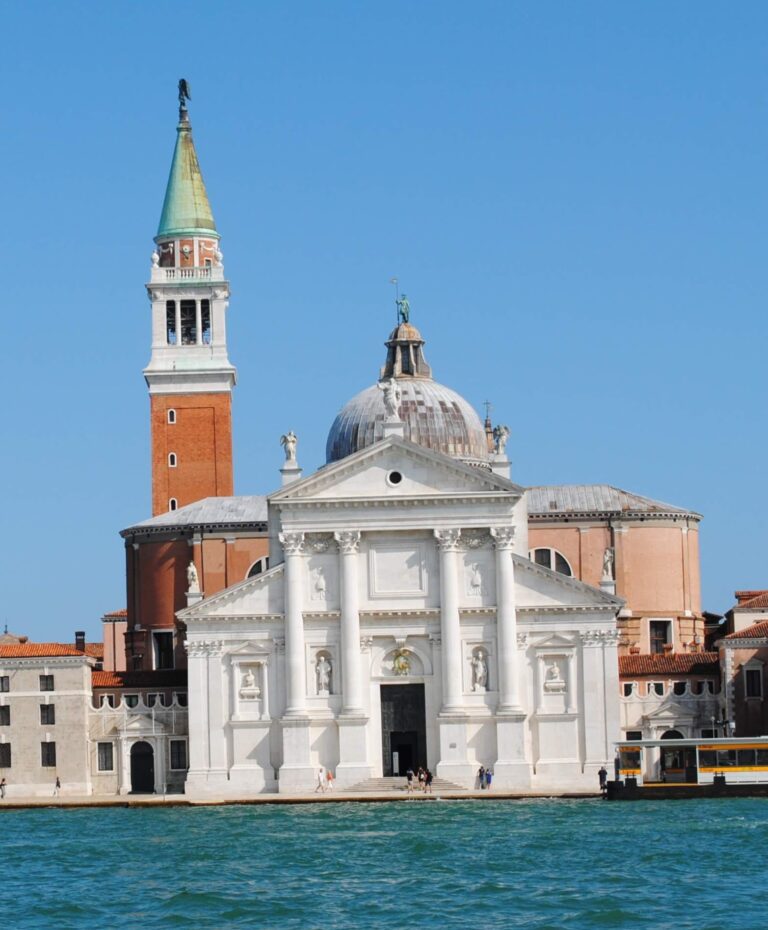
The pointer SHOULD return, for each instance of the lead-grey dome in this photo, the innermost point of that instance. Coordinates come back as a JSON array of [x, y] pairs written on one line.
[[434, 415]]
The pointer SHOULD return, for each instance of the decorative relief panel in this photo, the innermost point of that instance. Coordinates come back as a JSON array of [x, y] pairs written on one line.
[[398, 570]]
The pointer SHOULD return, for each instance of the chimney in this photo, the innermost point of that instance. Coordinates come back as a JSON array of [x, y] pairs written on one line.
[[80, 640]]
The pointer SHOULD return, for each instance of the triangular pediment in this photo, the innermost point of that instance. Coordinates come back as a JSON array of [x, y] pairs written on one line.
[[371, 474], [669, 713], [260, 595], [539, 587]]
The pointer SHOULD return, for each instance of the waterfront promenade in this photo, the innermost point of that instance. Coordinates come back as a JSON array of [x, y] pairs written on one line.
[[329, 797]]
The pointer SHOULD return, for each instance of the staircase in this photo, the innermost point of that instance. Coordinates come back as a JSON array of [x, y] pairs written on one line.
[[398, 785]]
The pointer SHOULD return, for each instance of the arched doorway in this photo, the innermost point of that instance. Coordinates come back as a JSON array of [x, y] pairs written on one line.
[[142, 768], [678, 763]]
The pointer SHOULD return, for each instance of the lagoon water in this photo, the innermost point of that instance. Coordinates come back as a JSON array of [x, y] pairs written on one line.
[[489, 865]]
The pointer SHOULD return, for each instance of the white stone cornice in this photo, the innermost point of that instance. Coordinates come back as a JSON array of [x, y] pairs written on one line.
[[49, 661], [198, 649], [349, 541]]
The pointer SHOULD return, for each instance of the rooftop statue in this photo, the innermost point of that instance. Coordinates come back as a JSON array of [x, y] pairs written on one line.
[[288, 442], [392, 397], [403, 309], [500, 437], [184, 94]]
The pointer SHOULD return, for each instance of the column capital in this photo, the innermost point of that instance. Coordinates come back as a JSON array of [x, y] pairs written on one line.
[[504, 536], [448, 540], [349, 541], [292, 543]]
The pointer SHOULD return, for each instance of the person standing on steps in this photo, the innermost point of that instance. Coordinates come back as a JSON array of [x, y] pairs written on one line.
[[57, 787], [409, 780], [481, 777], [428, 782], [603, 776], [329, 779], [3, 785], [488, 779]]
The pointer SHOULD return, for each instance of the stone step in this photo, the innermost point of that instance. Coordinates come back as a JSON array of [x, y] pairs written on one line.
[[398, 785]]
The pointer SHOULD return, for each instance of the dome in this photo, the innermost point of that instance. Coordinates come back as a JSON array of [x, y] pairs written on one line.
[[435, 416]]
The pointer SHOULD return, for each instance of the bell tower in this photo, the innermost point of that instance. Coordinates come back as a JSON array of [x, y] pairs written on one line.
[[189, 375]]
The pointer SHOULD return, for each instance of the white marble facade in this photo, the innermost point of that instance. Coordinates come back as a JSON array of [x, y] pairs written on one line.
[[398, 565]]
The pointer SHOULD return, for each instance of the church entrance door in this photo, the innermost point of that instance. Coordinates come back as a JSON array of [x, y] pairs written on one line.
[[403, 728], [142, 768]]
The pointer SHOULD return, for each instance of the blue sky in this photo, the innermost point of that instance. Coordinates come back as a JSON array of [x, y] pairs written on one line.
[[572, 195]]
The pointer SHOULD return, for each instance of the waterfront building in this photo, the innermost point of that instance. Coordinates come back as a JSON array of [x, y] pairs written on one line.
[[45, 691], [744, 660]]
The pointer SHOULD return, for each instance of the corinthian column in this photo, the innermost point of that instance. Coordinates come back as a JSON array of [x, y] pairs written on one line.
[[506, 619], [448, 543], [349, 546], [296, 685]]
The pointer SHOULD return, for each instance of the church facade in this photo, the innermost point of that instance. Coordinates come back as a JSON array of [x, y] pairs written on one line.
[[401, 623]]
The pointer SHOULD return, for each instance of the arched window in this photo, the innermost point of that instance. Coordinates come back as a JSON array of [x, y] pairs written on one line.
[[551, 558], [173, 504], [171, 416], [171, 459], [672, 734], [259, 566]]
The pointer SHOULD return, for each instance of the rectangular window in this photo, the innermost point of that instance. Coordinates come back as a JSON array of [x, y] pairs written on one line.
[[106, 757], [131, 700], [5, 716], [679, 688], [163, 650], [708, 733], [46, 682], [753, 680], [178, 754], [634, 734], [155, 699], [107, 700], [188, 322], [5, 755], [47, 714], [628, 689], [5, 683], [48, 755], [660, 635], [205, 321], [656, 687], [170, 322], [181, 698], [745, 758]]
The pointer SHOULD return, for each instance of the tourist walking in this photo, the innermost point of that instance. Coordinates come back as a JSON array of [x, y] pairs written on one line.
[[409, 780], [320, 780], [329, 779], [603, 776], [420, 778], [427, 782], [2, 789], [481, 777], [57, 787], [488, 779]]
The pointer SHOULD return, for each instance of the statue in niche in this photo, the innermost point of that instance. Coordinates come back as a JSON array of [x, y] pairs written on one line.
[[193, 581], [554, 680], [249, 690], [475, 579], [392, 398], [289, 441], [608, 558], [319, 586], [401, 664], [323, 670], [479, 671], [500, 437]]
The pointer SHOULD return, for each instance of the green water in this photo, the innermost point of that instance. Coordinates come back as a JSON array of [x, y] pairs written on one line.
[[532, 864]]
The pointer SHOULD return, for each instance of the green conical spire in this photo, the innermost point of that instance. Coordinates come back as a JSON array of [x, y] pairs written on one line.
[[186, 210]]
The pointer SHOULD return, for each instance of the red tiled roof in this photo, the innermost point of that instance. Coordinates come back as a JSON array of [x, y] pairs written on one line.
[[759, 599], [682, 663], [95, 650], [756, 631], [35, 650], [173, 678], [117, 613]]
